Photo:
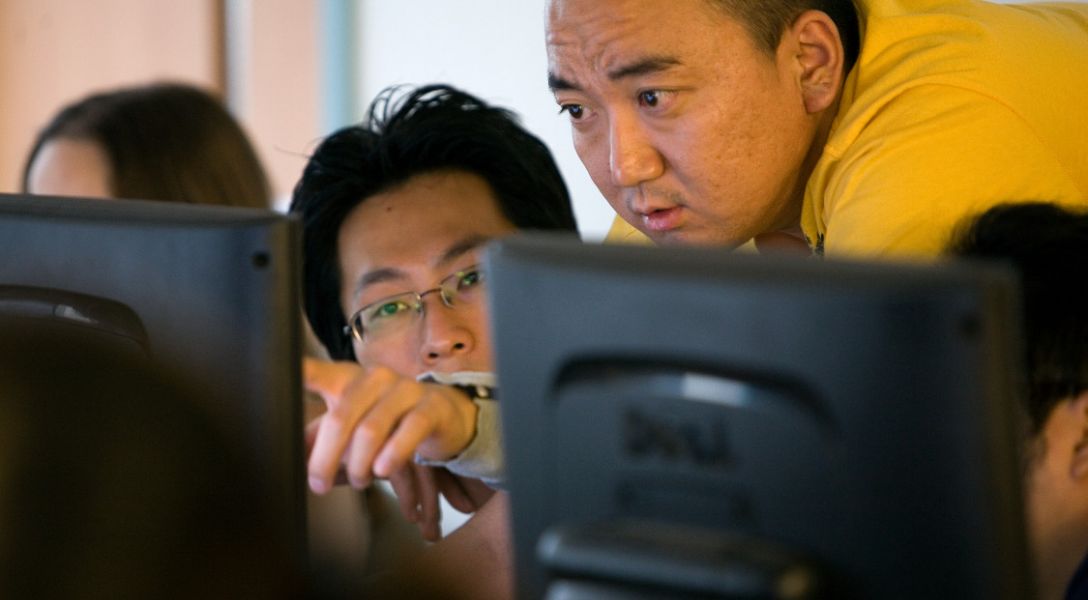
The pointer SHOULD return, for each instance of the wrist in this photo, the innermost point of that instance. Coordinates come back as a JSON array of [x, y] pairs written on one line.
[[469, 413]]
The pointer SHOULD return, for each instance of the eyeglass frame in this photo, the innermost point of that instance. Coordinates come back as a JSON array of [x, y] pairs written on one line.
[[444, 294]]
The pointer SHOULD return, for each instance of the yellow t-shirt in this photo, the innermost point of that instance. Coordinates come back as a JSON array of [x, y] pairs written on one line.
[[954, 106], [622, 232]]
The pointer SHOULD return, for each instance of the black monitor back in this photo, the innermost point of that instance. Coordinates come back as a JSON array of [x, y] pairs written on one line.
[[691, 423], [208, 291]]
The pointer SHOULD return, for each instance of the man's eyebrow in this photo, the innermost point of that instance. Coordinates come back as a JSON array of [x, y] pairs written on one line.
[[460, 248], [378, 276], [642, 66], [453, 252], [558, 84]]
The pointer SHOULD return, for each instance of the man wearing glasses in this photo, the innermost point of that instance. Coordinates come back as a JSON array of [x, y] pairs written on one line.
[[395, 212]]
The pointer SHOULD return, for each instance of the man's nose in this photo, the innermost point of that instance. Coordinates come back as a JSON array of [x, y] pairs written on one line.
[[633, 159], [445, 335]]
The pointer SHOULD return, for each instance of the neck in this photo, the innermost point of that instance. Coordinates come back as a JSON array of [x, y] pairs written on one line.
[[824, 122], [786, 241]]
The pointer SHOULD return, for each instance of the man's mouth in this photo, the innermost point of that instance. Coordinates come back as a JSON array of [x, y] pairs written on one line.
[[665, 219]]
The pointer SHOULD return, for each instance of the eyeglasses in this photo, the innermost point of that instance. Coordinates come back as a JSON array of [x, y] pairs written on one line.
[[394, 313]]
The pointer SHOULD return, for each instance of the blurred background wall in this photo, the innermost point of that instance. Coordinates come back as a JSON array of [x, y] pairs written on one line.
[[259, 56], [291, 70]]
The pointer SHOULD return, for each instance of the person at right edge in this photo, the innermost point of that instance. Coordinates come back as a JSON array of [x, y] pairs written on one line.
[[1048, 247]]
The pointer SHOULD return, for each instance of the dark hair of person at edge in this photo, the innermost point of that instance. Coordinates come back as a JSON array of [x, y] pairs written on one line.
[[1031, 236]]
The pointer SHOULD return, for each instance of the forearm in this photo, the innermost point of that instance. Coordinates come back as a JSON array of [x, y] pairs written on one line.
[[476, 561]]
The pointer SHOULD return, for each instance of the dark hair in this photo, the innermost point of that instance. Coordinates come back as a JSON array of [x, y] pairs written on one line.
[[165, 141], [767, 19], [1049, 247], [431, 128]]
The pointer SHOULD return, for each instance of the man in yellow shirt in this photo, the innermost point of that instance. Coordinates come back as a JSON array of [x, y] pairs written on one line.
[[867, 130]]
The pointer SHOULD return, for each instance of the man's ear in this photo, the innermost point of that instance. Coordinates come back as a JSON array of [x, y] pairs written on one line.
[[820, 58], [1078, 466]]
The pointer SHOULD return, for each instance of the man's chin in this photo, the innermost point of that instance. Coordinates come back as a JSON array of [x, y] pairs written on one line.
[[683, 236]]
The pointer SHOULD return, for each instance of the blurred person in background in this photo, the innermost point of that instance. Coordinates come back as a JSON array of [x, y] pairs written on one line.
[[114, 483], [175, 142], [164, 141], [1048, 247]]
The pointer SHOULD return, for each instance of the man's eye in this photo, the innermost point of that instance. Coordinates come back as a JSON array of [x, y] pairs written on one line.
[[576, 111], [469, 279], [388, 309], [649, 98]]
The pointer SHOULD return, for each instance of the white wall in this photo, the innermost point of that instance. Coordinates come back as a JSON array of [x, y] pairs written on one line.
[[491, 48]]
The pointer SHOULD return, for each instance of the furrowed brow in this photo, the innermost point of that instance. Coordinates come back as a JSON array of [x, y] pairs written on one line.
[[644, 66], [558, 84]]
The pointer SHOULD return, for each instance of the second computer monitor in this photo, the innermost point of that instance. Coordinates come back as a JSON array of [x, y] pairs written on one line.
[[682, 421]]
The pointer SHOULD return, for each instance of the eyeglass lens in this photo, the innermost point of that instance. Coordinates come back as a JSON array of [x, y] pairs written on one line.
[[395, 312]]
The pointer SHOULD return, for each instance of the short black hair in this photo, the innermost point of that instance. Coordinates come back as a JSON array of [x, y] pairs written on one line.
[[410, 132], [767, 19], [1048, 245]]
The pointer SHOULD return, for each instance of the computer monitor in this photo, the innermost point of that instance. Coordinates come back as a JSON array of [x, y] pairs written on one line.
[[209, 291], [694, 423]]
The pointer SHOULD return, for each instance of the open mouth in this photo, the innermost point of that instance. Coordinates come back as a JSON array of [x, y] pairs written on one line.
[[664, 219]]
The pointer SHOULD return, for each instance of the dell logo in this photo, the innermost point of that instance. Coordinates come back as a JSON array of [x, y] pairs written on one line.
[[669, 438]]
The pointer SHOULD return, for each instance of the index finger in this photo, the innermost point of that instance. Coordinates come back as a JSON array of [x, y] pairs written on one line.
[[327, 379]]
